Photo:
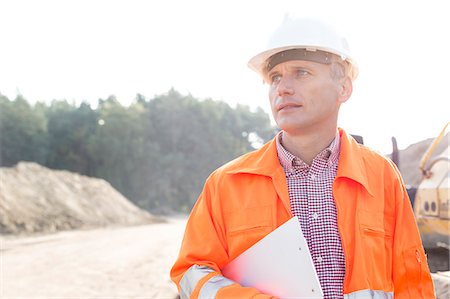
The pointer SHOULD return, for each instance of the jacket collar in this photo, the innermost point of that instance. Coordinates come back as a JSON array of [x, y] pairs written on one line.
[[352, 164], [265, 161]]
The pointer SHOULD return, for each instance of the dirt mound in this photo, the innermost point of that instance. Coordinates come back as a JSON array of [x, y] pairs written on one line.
[[37, 199]]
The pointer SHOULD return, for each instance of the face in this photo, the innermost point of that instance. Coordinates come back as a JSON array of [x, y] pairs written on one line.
[[304, 96]]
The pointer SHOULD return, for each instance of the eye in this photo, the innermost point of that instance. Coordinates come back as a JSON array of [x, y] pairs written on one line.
[[302, 72], [274, 79]]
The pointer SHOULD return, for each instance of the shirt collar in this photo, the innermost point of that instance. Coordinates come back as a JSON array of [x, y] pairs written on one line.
[[352, 161], [291, 162]]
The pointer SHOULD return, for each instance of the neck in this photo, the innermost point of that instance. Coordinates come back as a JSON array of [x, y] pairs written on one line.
[[308, 145]]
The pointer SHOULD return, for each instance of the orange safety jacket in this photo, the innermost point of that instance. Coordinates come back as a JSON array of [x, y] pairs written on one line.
[[248, 198]]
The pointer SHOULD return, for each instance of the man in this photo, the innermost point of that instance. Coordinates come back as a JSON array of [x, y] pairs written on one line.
[[352, 206]]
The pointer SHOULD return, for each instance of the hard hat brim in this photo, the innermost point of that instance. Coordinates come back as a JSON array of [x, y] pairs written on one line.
[[258, 63]]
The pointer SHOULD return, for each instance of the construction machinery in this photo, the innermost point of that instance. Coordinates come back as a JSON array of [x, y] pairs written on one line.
[[432, 199]]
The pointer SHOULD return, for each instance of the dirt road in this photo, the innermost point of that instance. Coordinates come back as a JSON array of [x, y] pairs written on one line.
[[115, 263], [131, 262]]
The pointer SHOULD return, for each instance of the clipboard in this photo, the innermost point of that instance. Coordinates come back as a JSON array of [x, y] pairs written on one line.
[[279, 265]]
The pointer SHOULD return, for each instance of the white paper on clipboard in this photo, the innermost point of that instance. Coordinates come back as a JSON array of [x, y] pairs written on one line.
[[279, 264]]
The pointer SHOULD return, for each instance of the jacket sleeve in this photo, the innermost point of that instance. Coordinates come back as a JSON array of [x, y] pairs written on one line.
[[203, 253], [411, 274]]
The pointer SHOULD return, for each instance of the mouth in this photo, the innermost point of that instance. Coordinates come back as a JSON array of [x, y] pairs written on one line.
[[288, 106]]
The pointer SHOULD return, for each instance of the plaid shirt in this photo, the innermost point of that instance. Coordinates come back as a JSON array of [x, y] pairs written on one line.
[[311, 197]]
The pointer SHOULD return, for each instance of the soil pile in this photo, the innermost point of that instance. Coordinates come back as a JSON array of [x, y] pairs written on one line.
[[37, 199]]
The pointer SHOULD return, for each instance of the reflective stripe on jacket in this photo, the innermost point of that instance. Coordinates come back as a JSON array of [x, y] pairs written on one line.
[[248, 198]]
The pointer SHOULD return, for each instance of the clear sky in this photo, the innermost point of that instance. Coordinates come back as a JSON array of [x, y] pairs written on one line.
[[84, 50]]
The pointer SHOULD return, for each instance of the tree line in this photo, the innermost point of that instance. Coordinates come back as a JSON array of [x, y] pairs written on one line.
[[157, 152]]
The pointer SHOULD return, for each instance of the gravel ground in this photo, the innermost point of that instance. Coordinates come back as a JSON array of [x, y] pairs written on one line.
[[130, 262], [115, 263]]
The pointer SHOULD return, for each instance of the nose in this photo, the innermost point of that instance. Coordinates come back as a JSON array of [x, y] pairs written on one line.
[[285, 87]]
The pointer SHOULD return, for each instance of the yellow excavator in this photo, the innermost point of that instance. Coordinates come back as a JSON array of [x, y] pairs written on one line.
[[432, 198]]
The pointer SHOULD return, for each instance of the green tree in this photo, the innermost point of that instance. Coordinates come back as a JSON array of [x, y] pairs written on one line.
[[70, 132], [196, 137], [121, 147], [23, 132]]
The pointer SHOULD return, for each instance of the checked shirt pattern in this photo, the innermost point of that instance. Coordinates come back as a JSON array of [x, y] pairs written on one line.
[[311, 198]]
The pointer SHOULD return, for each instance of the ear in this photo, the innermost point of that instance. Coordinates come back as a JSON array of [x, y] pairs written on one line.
[[345, 89]]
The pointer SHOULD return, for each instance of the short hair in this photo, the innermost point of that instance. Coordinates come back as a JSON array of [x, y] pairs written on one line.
[[340, 68]]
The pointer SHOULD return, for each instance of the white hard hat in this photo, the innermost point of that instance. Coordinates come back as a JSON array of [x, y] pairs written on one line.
[[311, 35]]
